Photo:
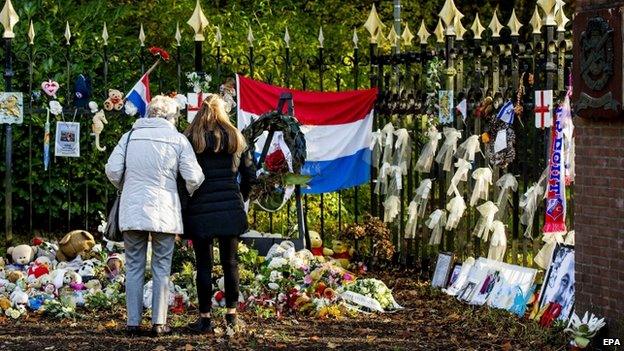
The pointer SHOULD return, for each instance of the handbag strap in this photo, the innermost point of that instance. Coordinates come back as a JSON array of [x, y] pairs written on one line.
[[123, 175]]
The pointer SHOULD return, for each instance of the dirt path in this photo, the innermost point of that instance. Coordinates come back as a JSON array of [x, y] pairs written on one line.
[[430, 321]]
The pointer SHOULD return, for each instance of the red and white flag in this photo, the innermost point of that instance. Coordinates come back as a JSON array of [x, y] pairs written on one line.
[[543, 108]]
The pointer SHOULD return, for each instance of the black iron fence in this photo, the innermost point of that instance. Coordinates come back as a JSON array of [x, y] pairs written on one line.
[[73, 192]]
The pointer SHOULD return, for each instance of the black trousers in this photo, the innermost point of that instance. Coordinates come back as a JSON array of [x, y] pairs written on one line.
[[228, 247]]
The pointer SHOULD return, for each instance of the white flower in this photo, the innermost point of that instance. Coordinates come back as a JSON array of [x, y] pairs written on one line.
[[55, 108], [130, 109], [277, 262], [259, 277], [275, 276], [242, 248], [273, 286]]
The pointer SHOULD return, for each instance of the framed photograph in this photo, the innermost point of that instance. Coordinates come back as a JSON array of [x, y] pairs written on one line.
[[454, 274], [445, 101], [442, 270], [67, 141], [11, 108], [559, 281]]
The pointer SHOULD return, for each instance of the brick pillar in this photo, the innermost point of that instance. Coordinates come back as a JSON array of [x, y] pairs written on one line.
[[599, 184]]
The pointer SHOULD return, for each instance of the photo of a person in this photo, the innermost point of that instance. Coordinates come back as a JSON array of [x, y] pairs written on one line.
[[559, 284]]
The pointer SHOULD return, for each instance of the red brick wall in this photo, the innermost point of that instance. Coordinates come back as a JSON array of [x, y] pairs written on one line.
[[599, 217], [599, 212]]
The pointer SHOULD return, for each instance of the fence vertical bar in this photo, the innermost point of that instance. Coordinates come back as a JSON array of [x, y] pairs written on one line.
[[356, 85], [8, 129]]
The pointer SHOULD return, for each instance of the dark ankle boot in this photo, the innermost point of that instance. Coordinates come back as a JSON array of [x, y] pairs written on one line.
[[231, 320], [202, 325]]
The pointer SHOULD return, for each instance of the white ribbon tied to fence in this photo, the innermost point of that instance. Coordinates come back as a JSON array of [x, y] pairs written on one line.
[[505, 183], [483, 180], [388, 137], [484, 225], [382, 179], [455, 208], [402, 147], [468, 149], [436, 222], [417, 207], [392, 206], [448, 148], [377, 147], [498, 243], [544, 256], [425, 160], [461, 174]]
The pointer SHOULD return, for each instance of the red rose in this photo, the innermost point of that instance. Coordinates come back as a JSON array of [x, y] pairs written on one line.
[[37, 241], [276, 162], [219, 296], [156, 51]]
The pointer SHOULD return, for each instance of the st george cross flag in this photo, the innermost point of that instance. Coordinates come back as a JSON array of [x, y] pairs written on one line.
[[506, 113], [543, 108], [337, 128], [462, 108], [139, 96]]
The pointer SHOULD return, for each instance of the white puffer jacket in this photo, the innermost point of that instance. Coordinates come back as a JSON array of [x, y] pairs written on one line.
[[157, 152]]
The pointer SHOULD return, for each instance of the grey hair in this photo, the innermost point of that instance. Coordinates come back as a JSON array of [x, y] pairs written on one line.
[[164, 107]]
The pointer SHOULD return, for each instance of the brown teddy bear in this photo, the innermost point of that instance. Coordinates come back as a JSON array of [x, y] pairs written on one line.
[[114, 101], [74, 243]]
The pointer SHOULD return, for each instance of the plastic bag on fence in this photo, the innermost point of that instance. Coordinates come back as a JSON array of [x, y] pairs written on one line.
[[506, 183], [483, 180], [448, 148], [427, 154], [529, 203], [402, 150], [417, 207], [377, 147], [455, 208], [544, 255], [469, 148], [461, 174], [436, 222], [381, 186], [484, 225], [498, 243], [392, 206], [388, 137]]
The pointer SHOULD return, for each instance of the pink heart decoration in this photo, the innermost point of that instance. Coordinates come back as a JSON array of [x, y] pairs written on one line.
[[50, 88]]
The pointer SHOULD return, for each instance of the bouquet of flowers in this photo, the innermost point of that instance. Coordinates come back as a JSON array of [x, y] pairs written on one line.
[[582, 330], [375, 289]]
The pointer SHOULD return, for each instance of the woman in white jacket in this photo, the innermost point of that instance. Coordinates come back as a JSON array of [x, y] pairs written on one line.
[[150, 205]]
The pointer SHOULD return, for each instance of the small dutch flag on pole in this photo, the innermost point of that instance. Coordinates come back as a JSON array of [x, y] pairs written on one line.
[[506, 113], [139, 96]]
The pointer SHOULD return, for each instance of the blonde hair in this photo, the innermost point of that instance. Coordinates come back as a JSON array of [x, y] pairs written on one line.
[[164, 107], [212, 118]]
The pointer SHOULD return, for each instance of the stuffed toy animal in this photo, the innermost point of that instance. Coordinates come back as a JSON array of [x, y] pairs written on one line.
[[5, 303], [82, 90], [74, 244], [317, 245], [87, 270], [2, 272], [14, 276], [114, 101], [19, 298], [22, 254], [342, 253], [39, 267], [93, 285], [114, 266], [48, 250], [99, 120]]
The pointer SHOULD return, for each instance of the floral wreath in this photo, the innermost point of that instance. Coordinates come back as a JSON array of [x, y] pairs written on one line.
[[278, 174]]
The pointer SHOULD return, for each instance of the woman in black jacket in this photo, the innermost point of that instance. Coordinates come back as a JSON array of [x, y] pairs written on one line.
[[216, 209]]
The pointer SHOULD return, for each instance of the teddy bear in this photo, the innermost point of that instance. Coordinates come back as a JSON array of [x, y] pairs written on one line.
[[14, 276], [22, 254], [114, 266], [39, 267], [5, 303], [317, 245], [114, 101], [19, 298], [73, 244], [342, 253], [87, 270]]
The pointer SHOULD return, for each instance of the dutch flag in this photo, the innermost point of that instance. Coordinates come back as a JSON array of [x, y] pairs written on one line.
[[139, 96], [337, 128]]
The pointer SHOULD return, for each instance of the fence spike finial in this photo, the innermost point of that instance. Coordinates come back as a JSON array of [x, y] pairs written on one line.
[[514, 25], [460, 30], [250, 37], [536, 22], [548, 6], [321, 37], [448, 14], [423, 34], [393, 37], [178, 35], [495, 25], [560, 17], [105, 34], [9, 18], [407, 36], [374, 25], [142, 35], [198, 22], [355, 38], [477, 28], [218, 36], [439, 32], [67, 33], [31, 33], [287, 38]]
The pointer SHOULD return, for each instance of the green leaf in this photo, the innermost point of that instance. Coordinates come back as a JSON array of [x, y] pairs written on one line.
[[296, 179]]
